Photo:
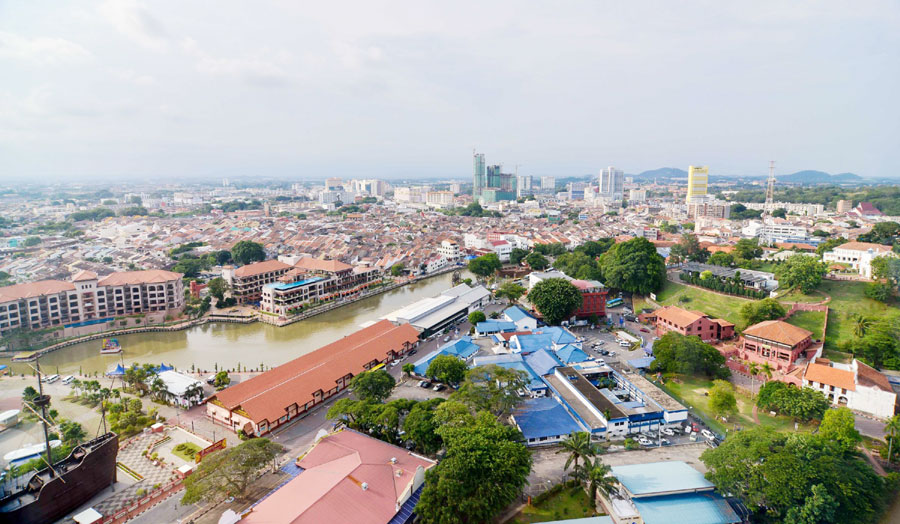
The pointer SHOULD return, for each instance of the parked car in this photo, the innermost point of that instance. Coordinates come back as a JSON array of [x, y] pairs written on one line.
[[439, 387], [424, 384], [604, 352], [447, 339], [68, 380], [645, 330], [688, 429], [707, 434], [211, 380], [667, 431], [413, 351], [665, 442], [693, 436], [612, 353], [644, 441]]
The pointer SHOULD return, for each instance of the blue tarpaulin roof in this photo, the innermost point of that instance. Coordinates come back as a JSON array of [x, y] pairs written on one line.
[[544, 417], [118, 371]]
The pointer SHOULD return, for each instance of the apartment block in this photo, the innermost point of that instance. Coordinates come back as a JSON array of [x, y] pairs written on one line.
[[87, 298]]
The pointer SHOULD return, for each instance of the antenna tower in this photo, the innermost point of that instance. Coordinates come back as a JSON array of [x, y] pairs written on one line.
[[770, 188]]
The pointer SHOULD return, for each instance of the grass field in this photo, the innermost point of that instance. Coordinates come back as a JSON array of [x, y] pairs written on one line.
[[691, 391], [186, 452], [570, 503], [847, 300], [714, 304], [810, 320]]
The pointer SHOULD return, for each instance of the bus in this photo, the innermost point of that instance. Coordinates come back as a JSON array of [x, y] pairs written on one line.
[[379, 366], [613, 302], [51, 379]]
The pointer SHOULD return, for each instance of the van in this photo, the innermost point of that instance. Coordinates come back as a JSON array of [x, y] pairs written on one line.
[[51, 379], [693, 436], [68, 380]]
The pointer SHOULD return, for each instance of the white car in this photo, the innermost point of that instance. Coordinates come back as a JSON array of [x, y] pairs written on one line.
[[707, 434], [644, 441], [667, 432]]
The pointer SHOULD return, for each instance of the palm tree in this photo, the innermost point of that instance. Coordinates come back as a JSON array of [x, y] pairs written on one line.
[[599, 479], [76, 385], [578, 445], [892, 427], [767, 370], [753, 369], [861, 324]]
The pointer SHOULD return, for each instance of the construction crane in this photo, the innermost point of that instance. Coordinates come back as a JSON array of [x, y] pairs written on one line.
[[770, 188]]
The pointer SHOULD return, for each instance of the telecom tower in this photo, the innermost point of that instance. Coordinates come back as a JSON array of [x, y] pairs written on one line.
[[770, 188]]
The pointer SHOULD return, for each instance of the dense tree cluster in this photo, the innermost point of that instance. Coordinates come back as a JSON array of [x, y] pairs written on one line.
[[229, 472], [798, 403], [485, 265], [634, 266], [98, 213], [730, 286], [688, 355], [741, 212], [246, 251], [802, 272], [556, 299], [797, 478], [762, 310]]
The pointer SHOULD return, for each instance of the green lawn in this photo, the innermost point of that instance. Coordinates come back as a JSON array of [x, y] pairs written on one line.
[[570, 503], [186, 451], [810, 320], [713, 304], [691, 391], [847, 300]]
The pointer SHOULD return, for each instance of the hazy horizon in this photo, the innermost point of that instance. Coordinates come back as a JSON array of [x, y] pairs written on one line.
[[122, 90]]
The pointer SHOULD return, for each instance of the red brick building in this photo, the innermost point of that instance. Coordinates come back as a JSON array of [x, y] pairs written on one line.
[[594, 298], [776, 342], [673, 318]]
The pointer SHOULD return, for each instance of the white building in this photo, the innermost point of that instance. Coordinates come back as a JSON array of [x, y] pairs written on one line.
[[181, 390], [855, 385], [439, 199], [859, 255], [612, 183], [449, 249], [502, 248], [637, 195], [412, 195]]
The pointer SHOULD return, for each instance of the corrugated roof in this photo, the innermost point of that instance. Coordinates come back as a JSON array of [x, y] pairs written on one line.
[[658, 478]]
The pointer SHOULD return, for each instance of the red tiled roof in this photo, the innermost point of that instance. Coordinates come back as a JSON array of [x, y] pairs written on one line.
[[330, 488], [258, 268], [679, 317], [825, 374], [864, 246], [778, 331], [34, 289], [317, 264], [267, 396], [83, 275], [150, 276], [868, 376]]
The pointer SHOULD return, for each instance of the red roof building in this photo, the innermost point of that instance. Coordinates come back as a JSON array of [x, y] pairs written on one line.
[[776, 342], [593, 298], [266, 401], [346, 477], [673, 318]]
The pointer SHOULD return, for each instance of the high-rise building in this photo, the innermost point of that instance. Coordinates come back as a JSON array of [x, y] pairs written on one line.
[[844, 206], [334, 184], [479, 181], [456, 187], [709, 209], [548, 183], [698, 181], [637, 195], [612, 183], [525, 185]]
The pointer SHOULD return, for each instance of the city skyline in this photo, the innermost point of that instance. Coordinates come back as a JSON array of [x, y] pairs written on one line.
[[121, 89]]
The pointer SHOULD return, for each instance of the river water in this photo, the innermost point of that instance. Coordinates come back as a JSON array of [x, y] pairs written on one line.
[[228, 345]]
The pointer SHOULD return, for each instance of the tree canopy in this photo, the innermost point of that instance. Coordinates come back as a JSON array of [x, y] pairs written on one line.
[[447, 369], [511, 291], [477, 316], [799, 403], [801, 271], [721, 399], [537, 261], [491, 388], [372, 386], [773, 474], [485, 265], [634, 266], [484, 470], [246, 251], [761, 310], [229, 472], [688, 355], [556, 299]]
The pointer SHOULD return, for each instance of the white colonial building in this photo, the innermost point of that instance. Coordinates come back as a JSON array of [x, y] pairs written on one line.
[[854, 385], [859, 255]]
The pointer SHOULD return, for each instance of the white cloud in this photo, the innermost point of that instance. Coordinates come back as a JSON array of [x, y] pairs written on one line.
[[267, 67], [41, 50], [135, 21], [136, 78]]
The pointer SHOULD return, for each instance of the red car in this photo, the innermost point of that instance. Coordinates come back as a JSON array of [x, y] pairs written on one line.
[[645, 330]]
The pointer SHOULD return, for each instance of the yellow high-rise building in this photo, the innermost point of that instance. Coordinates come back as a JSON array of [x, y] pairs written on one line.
[[698, 180]]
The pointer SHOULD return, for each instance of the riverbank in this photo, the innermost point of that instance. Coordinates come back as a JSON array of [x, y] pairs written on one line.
[[206, 345], [222, 317]]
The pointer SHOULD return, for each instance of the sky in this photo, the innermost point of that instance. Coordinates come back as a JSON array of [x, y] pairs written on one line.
[[130, 90]]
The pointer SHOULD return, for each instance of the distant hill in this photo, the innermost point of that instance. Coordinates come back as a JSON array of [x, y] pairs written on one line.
[[663, 172], [818, 177]]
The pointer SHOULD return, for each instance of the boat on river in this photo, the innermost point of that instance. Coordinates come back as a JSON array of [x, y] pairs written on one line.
[[110, 346]]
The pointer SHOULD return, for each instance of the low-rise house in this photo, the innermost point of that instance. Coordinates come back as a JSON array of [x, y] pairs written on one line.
[[858, 255], [776, 342], [854, 385], [180, 390], [463, 349], [521, 318], [347, 477], [696, 323]]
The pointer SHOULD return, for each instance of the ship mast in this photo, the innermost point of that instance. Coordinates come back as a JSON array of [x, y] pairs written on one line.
[[42, 401]]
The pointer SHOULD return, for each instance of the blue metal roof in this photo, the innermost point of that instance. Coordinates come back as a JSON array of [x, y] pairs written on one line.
[[532, 343], [559, 335], [657, 478], [571, 354], [515, 313], [494, 326], [543, 362], [688, 508], [544, 417], [641, 362], [462, 349], [405, 514]]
